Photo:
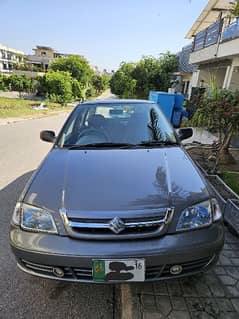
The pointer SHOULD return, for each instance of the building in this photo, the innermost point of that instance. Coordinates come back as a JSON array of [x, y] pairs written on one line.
[[9, 57], [43, 56], [215, 46], [185, 69]]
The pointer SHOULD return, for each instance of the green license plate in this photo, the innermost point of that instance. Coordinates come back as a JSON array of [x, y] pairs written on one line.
[[118, 270]]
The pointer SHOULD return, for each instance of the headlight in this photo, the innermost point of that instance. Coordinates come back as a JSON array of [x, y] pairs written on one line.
[[196, 216], [34, 219]]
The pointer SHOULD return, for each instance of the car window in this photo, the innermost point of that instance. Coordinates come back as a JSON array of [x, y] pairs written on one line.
[[131, 123]]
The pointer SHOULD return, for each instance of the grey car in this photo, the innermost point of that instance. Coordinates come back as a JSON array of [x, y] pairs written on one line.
[[117, 199]]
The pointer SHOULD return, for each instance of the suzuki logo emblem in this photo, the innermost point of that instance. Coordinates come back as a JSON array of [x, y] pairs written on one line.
[[117, 225]]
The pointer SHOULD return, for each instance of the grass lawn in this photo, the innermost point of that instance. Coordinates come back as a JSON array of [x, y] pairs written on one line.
[[232, 180], [24, 108]]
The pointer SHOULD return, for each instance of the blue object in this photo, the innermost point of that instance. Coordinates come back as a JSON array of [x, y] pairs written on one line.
[[176, 119], [179, 98], [171, 104]]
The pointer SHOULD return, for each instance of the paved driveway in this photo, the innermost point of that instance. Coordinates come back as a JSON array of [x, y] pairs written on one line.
[[213, 295]]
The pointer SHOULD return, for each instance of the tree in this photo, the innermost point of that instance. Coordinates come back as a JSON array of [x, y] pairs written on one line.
[[150, 73], [122, 82], [147, 75], [77, 66], [59, 86], [99, 82], [218, 110]]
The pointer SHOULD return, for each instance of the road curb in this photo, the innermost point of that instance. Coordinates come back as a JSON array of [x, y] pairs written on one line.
[[13, 120]]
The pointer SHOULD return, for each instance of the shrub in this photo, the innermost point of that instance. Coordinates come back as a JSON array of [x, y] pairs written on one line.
[[20, 83], [58, 86], [3, 83]]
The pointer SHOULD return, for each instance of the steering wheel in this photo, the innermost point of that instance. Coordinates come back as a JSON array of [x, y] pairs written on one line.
[[93, 131]]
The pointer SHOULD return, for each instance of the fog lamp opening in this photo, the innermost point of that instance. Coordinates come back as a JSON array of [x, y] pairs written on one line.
[[176, 270], [58, 272]]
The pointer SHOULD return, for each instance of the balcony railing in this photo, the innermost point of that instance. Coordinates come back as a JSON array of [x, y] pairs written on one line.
[[208, 36], [216, 33], [231, 31]]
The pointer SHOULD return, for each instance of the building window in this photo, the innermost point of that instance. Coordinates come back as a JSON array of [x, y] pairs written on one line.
[[43, 53]]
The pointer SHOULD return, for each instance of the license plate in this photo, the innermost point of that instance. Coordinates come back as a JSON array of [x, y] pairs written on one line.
[[118, 270]]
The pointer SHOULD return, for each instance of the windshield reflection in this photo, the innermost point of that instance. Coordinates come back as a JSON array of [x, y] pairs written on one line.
[[114, 123]]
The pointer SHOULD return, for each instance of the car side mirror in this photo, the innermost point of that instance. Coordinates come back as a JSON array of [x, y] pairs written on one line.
[[184, 133], [48, 136]]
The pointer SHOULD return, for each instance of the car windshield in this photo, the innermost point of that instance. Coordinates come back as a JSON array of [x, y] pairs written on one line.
[[116, 124]]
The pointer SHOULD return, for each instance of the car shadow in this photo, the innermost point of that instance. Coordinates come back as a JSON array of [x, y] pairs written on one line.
[[26, 296]]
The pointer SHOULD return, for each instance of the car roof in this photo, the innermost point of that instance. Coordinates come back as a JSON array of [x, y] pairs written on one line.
[[117, 101]]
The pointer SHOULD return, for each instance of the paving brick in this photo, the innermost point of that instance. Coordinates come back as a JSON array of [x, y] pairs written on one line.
[[219, 270], [194, 304], [160, 288], [227, 246], [229, 238], [235, 246], [235, 303], [233, 272], [235, 261], [210, 279], [230, 253], [148, 301], [178, 303], [143, 288], [174, 288], [217, 289], [202, 289], [224, 261], [187, 287], [203, 307], [229, 315], [153, 315], [224, 305], [164, 305], [227, 280], [152, 303], [201, 315], [231, 291], [179, 315]]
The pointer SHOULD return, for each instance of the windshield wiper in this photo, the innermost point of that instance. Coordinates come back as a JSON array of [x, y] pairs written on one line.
[[157, 143], [100, 145]]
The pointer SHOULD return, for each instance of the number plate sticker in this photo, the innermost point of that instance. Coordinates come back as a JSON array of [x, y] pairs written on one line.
[[118, 270]]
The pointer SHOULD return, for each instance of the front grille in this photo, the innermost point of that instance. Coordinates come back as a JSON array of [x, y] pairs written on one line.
[[117, 228], [70, 273], [189, 266], [85, 274]]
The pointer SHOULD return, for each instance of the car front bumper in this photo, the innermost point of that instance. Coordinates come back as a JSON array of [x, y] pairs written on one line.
[[39, 254]]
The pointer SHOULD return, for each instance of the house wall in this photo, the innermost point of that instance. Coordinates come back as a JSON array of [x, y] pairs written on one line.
[[212, 75], [30, 74], [48, 53], [203, 55], [8, 57], [216, 51]]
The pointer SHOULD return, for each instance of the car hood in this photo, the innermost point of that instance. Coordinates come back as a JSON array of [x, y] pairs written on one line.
[[116, 180]]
